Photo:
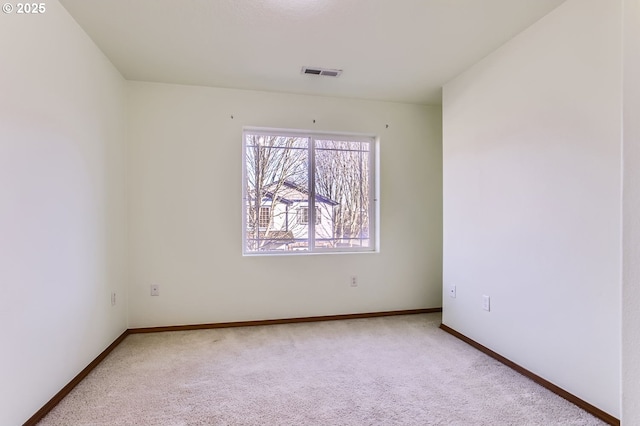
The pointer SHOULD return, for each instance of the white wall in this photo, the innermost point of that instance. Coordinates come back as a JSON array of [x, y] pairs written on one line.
[[532, 200], [62, 207], [631, 214], [186, 220]]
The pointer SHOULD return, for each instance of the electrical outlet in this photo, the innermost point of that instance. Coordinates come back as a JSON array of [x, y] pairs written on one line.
[[486, 302], [452, 291], [113, 298], [155, 290], [353, 281]]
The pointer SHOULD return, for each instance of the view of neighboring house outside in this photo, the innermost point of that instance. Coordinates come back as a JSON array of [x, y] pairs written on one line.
[[289, 216]]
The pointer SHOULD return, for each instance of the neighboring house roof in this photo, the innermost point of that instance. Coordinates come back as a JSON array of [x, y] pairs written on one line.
[[289, 193]]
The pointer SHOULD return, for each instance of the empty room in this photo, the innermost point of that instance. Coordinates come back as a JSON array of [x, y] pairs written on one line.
[[315, 212]]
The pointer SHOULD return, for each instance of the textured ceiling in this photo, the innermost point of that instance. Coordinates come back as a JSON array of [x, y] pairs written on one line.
[[393, 50]]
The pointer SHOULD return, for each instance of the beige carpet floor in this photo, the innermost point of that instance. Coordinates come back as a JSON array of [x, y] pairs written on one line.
[[399, 370]]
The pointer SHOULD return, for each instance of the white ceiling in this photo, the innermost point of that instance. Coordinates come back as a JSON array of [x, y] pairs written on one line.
[[394, 50]]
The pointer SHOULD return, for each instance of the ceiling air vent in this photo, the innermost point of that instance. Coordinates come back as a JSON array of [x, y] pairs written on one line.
[[321, 71]]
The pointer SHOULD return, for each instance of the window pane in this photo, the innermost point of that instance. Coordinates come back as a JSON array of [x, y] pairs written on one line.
[[276, 178], [342, 194]]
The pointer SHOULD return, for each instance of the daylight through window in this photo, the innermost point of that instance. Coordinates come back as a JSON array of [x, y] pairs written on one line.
[[308, 193]]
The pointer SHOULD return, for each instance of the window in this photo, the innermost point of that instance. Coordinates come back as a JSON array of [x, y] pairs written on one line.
[[303, 215], [307, 192], [265, 217]]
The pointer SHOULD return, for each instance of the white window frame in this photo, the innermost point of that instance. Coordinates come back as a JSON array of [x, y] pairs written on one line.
[[373, 190]]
